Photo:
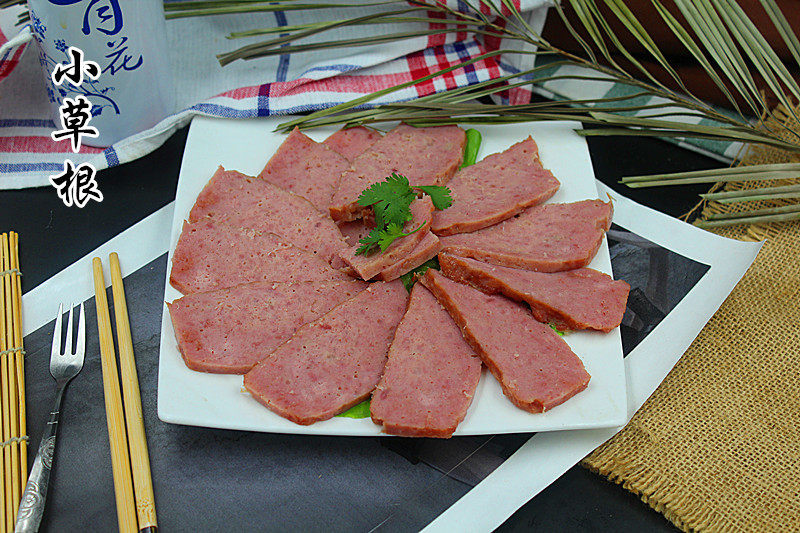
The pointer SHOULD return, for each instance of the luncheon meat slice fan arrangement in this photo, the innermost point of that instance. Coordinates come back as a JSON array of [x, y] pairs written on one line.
[[276, 287]]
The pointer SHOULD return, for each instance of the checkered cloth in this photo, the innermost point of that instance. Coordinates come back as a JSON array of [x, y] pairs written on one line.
[[247, 89]]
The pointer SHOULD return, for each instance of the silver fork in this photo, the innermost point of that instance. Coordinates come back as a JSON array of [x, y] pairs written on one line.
[[63, 367]]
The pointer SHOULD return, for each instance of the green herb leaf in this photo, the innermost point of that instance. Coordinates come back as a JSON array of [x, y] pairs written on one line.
[[439, 195], [388, 235], [369, 242], [411, 277], [394, 211], [394, 186], [382, 237], [360, 410], [558, 331]]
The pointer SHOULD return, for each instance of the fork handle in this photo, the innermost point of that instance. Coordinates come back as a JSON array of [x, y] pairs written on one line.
[[31, 507]]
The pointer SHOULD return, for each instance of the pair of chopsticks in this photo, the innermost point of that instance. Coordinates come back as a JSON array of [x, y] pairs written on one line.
[[129, 458], [14, 441]]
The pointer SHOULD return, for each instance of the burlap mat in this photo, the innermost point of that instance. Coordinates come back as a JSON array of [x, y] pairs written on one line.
[[717, 446]]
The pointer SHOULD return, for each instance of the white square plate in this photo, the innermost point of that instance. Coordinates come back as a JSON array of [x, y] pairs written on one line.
[[219, 401]]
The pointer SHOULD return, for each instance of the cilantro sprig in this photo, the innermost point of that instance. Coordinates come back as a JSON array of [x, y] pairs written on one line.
[[391, 202]]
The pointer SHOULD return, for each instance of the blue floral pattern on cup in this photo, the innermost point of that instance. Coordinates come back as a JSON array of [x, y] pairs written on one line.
[[128, 42]]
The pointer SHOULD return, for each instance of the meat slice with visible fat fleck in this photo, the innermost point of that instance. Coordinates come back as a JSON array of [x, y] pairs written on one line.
[[495, 189], [367, 267], [426, 156], [334, 362], [252, 203], [431, 374], [535, 367], [352, 142], [545, 238], [212, 255], [574, 299], [228, 331], [427, 249], [306, 168]]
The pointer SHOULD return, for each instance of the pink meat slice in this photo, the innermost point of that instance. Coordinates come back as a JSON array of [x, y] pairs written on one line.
[[306, 168], [355, 230], [426, 156], [352, 142], [252, 203], [212, 255], [229, 330], [535, 367], [367, 267], [545, 238], [427, 249], [496, 189], [431, 374], [571, 300], [334, 362]]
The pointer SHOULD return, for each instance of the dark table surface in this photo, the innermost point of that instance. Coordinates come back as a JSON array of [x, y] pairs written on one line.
[[53, 236]]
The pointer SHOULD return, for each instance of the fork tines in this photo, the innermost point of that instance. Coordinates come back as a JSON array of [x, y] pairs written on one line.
[[80, 347]]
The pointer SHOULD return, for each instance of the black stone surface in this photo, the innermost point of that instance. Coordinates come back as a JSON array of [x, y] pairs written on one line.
[[215, 480]]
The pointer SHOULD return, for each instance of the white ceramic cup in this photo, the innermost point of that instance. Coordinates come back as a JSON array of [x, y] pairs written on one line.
[[127, 39]]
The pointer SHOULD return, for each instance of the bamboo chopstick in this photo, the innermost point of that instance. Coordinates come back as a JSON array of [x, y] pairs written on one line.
[[120, 463], [19, 359], [137, 442], [5, 428]]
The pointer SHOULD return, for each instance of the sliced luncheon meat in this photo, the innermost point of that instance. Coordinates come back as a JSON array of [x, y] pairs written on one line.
[[495, 189], [213, 255], [229, 330], [352, 142], [355, 230], [256, 204], [546, 238], [334, 362], [426, 156], [427, 249], [431, 374], [370, 266], [306, 168], [535, 367], [575, 299]]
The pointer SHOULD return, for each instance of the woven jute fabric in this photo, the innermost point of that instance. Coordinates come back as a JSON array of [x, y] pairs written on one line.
[[717, 446]]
